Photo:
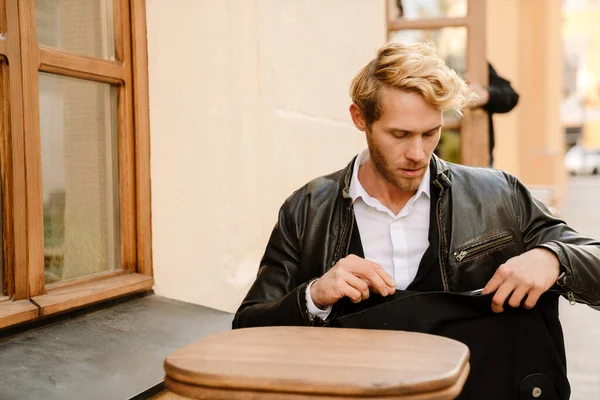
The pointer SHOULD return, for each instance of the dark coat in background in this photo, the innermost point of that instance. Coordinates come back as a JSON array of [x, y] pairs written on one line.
[[503, 99]]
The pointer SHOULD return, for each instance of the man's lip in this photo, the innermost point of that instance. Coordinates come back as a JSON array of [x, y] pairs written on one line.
[[411, 172]]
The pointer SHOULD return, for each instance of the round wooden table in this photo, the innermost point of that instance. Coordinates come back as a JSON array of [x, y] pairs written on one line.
[[293, 363]]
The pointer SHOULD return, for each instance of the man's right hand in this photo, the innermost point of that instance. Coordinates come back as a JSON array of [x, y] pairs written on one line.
[[351, 277]]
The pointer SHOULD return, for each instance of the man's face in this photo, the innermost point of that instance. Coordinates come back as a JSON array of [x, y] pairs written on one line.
[[402, 140]]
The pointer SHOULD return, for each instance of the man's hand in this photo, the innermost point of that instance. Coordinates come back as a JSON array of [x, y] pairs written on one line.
[[483, 95], [530, 274], [351, 277]]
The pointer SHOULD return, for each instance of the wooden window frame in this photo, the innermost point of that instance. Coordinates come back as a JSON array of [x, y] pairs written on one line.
[[473, 145], [20, 161]]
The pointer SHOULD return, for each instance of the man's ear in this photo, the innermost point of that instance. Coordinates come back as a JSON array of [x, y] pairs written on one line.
[[357, 118]]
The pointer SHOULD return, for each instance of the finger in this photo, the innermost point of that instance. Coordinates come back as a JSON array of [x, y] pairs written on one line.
[[387, 279], [358, 284], [350, 292], [532, 298], [495, 282], [501, 295], [377, 278], [356, 264], [365, 271], [517, 296]]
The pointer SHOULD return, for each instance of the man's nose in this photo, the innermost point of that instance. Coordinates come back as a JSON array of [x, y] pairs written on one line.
[[416, 151]]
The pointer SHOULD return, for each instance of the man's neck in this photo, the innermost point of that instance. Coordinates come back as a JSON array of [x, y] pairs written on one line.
[[378, 187]]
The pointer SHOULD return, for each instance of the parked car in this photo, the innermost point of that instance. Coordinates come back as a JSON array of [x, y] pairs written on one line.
[[580, 161]]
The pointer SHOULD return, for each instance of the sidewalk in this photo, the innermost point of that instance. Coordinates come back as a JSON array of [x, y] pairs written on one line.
[[581, 324]]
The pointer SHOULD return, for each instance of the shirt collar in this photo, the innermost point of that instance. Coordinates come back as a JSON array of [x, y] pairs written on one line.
[[357, 190]]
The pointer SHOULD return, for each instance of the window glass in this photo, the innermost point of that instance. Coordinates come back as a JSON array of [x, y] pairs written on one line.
[[78, 125], [82, 26]]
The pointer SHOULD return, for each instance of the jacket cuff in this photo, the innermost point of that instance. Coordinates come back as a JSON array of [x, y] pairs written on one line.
[[563, 265], [308, 318], [555, 248], [559, 253]]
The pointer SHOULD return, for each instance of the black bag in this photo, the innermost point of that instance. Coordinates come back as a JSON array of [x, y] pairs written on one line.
[[513, 354]]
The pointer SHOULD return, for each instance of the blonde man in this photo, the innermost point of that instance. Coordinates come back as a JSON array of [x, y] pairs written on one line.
[[399, 220]]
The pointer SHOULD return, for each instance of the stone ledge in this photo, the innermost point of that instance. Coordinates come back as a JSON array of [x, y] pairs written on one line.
[[111, 353]]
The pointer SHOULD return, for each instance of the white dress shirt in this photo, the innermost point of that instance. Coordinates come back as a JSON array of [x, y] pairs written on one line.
[[397, 242]]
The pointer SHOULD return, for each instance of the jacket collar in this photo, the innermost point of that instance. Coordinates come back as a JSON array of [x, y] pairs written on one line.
[[441, 178]]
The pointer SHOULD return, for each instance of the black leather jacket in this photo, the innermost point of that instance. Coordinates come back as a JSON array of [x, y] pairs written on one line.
[[484, 218]]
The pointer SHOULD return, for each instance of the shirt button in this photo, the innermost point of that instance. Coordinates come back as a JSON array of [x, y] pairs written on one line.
[[536, 392]]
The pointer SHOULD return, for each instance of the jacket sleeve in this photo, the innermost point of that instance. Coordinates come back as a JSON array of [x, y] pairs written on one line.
[[277, 296], [579, 256], [503, 97]]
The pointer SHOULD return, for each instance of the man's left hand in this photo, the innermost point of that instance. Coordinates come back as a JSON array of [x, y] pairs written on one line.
[[528, 275]]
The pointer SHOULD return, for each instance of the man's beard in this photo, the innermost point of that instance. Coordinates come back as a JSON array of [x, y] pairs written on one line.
[[383, 168]]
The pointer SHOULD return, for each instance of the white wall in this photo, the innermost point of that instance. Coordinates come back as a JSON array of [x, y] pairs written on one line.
[[248, 101]]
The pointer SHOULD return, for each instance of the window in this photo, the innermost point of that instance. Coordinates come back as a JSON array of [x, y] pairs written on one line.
[[457, 27], [74, 155]]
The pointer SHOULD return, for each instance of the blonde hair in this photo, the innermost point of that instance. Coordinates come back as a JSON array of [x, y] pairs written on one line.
[[414, 68]]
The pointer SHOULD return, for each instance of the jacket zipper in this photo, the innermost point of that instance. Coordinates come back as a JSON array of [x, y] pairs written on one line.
[[441, 239], [351, 217], [571, 298], [570, 295], [344, 232], [562, 282], [484, 246]]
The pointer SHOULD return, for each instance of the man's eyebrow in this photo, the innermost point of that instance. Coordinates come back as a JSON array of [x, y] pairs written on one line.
[[398, 130]]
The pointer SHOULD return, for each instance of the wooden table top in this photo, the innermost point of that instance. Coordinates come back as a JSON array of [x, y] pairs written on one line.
[[320, 362]]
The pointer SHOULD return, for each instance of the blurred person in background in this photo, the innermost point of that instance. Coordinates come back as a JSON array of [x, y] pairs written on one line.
[[498, 97]]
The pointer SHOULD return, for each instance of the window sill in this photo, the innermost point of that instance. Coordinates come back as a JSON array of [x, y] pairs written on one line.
[[16, 312], [116, 352], [72, 297]]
